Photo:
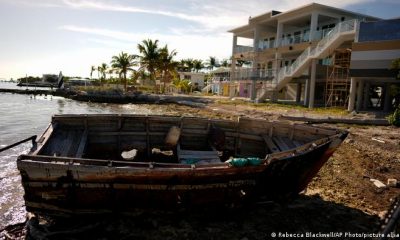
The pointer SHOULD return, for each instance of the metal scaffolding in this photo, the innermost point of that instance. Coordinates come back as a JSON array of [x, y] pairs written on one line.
[[338, 79]]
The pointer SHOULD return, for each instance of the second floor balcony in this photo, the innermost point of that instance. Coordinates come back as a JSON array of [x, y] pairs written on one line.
[[253, 74], [242, 49], [288, 39]]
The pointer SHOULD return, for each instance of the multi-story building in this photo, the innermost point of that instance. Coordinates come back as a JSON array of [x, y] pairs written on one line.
[[301, 55]]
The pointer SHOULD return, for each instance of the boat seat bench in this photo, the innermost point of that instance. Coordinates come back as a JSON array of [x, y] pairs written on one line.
[[197, 157]]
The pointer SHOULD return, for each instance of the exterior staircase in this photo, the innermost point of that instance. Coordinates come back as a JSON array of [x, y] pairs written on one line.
[[207, 88], [344, 31]]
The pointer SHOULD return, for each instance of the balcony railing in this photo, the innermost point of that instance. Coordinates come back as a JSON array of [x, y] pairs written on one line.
[[285, 41], [266, 44], [314, 52], [305, 37], [243, 49], [253, 74]]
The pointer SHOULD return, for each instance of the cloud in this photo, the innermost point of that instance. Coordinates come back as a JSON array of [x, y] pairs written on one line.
[[207, 15], [211, 15], [187, 45], [39, 3], [210, 20]]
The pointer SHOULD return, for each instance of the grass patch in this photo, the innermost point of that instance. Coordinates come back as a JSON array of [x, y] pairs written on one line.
[[145, 88]]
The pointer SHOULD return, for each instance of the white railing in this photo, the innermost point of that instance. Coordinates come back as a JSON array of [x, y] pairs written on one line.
[[243, 49], [254, 74], [207, 88], [310, 52], [266, 44], [304, 37]]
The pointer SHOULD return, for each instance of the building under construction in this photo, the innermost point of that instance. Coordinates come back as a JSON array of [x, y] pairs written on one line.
[[316, 55]]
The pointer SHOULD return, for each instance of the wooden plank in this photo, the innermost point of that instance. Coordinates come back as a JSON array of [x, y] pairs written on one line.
[[208, 161], [148, 138], [197, 157], [127, 133], [45, 137], [250, 137], [66, 143], [96, 162], [315, 130], [270, 144], [282, 146], [178, 149], [291, 134], [200, 155], [377, 122], [236, 139], [76, 137], [297, 143], [82, 144], [288, 142], [203, 153]]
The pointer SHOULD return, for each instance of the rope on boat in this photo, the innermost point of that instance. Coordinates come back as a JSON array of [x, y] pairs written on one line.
[[32, 138]]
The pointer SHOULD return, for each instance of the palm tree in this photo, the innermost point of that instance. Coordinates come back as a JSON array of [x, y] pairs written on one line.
[[183, 85], [110, 74], [212, 62], [150, 55], [103, 69], [198, 65], [225, 63], [182, 65], [189, 63], [167, 66], [92, 69], [124, 63]]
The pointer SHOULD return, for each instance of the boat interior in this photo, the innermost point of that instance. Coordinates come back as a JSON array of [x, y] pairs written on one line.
[[170, 139]]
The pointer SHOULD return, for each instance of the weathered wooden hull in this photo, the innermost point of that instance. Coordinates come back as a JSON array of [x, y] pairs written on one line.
[[88, 189], [59, 185]]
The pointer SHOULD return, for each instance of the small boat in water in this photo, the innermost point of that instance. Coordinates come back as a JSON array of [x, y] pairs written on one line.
[[121, 163]]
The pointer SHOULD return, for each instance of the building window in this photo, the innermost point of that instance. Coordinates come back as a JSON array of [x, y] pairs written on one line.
[[297, 37], [306, 35], [272, 42]]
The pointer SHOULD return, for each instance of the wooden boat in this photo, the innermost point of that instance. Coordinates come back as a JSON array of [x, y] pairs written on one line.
[[76, 165]]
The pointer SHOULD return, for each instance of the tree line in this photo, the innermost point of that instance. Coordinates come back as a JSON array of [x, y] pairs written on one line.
[[153, 62]]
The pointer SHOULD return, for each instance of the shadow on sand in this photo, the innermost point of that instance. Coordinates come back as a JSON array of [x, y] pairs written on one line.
[[258, 221]]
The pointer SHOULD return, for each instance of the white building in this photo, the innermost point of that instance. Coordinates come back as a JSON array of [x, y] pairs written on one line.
[[301, 55], [196, 78]]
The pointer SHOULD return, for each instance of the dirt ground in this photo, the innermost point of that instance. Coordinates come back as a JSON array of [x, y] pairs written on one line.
[[341, 199]]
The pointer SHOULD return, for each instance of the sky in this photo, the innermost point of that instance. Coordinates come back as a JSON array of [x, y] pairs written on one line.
[[48, 36]]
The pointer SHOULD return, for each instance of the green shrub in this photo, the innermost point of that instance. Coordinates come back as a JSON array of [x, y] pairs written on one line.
[[394, 119]]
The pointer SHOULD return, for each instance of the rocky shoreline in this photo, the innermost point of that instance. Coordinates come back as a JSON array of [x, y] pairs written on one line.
[[113, 96]]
